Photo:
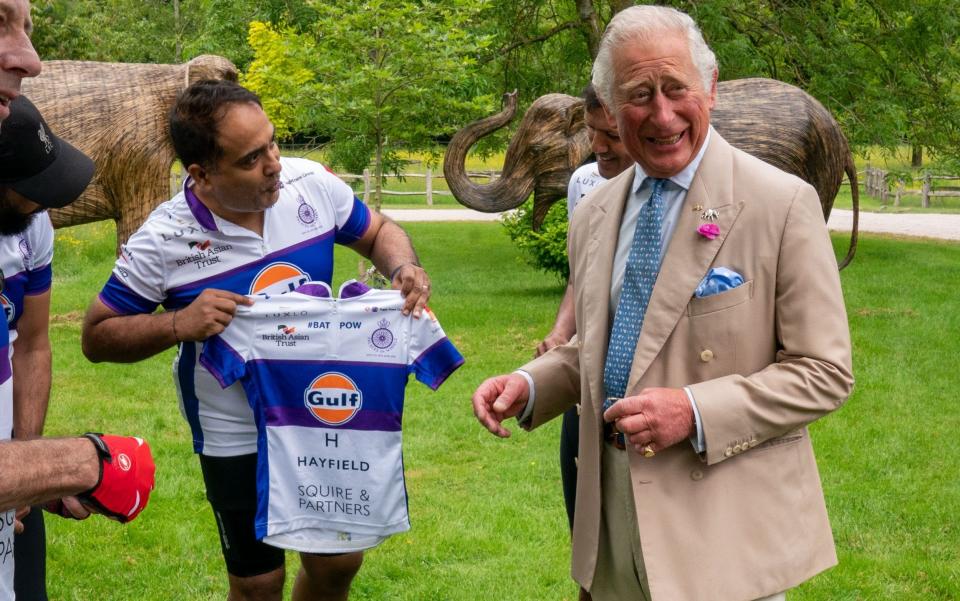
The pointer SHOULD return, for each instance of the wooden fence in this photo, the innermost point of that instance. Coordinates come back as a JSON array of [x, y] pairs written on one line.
[[877, 183], [176, 182]]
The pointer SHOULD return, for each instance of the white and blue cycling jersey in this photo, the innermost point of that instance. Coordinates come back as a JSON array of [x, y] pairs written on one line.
[[6, 426], [25, 260], [183, 248], [326, 378]]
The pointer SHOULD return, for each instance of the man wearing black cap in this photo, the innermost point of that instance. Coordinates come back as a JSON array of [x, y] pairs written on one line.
[[34, 471], [38, 170]]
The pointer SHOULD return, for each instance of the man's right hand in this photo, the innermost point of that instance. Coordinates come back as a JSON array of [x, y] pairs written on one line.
[[126, 476], [553, 339], [208, 315], [499, 398]]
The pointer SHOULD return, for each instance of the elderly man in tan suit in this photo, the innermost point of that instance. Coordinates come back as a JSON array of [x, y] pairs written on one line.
[[708, 306]]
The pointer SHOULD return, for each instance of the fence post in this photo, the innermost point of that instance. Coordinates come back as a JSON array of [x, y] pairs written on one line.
[[900, 190], [883, 187], [429, 186], [366, 186], [925, 198]]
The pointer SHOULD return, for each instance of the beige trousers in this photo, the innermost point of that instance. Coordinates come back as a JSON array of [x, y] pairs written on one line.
[[620, 574]]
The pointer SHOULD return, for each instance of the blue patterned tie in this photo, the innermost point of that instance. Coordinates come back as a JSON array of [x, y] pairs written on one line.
[[643, 264]]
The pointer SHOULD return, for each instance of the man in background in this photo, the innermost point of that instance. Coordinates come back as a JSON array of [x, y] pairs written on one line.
[[35, 163], [612, 159]]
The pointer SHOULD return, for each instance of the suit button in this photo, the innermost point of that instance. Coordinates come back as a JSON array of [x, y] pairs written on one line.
[[696, 475], [579, 408], [728, 452], [737, 448], [753, 442], [706, 355]]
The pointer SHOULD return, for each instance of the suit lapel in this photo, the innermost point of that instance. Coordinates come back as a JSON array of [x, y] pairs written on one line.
[[689, 255]]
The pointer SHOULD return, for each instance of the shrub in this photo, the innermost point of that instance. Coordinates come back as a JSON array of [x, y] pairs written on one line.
[[545, 249]]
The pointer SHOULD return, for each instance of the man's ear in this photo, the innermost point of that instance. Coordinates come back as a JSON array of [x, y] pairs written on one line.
[[713, 88], [198, 173]]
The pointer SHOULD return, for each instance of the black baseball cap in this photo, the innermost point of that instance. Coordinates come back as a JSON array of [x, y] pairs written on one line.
[[37, 164]]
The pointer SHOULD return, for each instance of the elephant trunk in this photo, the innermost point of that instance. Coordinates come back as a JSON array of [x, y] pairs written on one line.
[[506, 192]]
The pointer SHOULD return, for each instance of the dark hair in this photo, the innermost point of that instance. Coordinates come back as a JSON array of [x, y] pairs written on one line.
[[194, 118], [591, 101]]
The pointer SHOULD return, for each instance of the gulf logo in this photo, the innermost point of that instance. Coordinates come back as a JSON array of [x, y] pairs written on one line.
[[9, 310], [333, 398], [277, 278]]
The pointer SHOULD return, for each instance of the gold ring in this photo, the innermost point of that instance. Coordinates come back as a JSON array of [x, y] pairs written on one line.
[[648, 451]]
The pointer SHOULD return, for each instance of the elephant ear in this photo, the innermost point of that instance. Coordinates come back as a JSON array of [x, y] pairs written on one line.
[[574, 115]]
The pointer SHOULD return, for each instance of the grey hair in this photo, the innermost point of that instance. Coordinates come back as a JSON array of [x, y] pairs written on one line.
[[645, 22]]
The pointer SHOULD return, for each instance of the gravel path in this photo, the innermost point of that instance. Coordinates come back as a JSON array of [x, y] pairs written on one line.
[[928, 225]]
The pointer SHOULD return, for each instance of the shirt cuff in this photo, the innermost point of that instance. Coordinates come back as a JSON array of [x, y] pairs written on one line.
[[528, 410], [697, 440]]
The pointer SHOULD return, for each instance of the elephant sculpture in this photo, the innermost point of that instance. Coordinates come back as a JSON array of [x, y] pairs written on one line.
[[774, 121], [117, 114]]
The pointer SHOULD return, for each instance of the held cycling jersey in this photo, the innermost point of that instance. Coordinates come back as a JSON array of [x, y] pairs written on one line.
[[325, 377], [25, 260], [183, 248]]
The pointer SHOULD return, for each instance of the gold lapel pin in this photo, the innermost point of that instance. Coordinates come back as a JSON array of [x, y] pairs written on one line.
[[697, 208], [710, 215]]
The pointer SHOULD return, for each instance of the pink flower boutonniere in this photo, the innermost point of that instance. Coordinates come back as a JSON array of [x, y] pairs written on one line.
[[709, 230]]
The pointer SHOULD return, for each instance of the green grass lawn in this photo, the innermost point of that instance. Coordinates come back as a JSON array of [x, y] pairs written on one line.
[[487, 514]]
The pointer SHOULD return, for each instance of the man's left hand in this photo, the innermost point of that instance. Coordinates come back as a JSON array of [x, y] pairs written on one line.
[[414, 284], [657, 418]]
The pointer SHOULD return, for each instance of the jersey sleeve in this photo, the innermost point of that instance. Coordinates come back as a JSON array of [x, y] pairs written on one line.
[[432, 357], [137, 282], [225, 355], [352, 216], [39, 240]]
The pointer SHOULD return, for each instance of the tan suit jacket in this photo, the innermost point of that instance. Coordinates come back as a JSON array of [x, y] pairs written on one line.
[[763, 360]]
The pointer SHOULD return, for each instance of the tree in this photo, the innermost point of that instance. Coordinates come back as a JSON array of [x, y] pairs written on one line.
[[386, 76]]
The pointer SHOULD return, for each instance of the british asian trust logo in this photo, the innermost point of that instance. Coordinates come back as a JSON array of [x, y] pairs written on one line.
[[333, 398], [277, 278]]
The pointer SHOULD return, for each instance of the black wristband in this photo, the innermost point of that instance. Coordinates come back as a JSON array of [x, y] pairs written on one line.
[[394, 273], [103, 454]]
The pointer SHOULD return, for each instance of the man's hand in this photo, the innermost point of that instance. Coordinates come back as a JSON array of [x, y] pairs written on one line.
[[553, 339], [208, 315], [657, 418], [414, 284], [126, 476], [499, 398], [70, 508]]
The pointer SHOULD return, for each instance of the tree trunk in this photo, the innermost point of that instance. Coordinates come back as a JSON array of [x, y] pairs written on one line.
[[591, 25], [916, 156]]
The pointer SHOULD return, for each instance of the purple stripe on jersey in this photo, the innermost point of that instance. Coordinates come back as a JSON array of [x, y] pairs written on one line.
[[317, 290], [379, 421], [200, 211], [354, 289], [39, 280], [356, 225], [121, 299], [5, 370], [435, 364], [227, 355], [254, 266]]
